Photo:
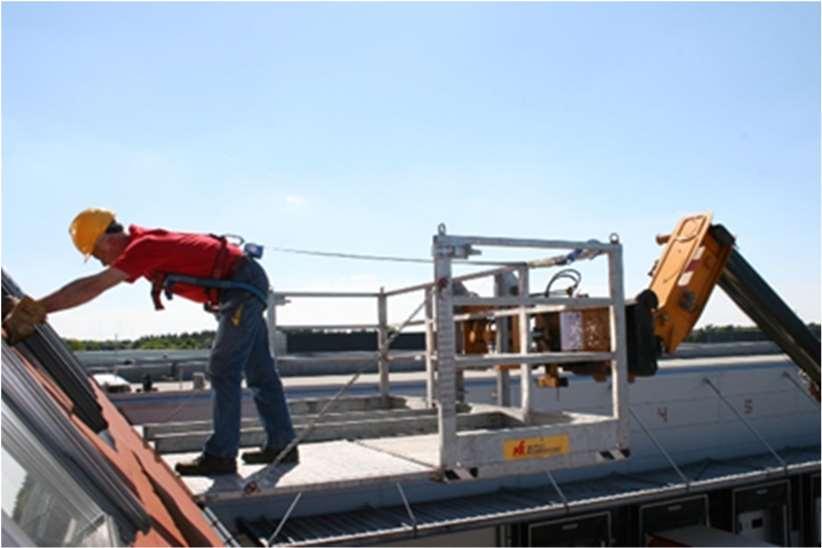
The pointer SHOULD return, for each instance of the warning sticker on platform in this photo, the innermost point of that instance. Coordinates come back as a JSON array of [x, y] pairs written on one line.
[[536, 448]]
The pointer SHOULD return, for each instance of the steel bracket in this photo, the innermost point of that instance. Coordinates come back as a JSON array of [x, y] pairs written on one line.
[[410, 512], [748, 425], [462, 251], [280, 526]]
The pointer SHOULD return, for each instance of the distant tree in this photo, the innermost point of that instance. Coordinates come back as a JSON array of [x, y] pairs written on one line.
[[170, 341]]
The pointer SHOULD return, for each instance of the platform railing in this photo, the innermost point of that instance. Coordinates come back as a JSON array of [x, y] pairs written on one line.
[[381, 325], [446, 363]]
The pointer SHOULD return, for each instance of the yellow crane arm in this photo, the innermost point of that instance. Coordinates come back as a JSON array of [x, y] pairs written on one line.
[[683, 278]]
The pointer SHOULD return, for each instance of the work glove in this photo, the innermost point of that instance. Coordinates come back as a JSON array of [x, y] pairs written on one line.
[[25, 315], [8, 303]]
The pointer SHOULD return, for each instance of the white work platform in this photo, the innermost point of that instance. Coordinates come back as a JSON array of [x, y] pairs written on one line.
[[324, 465], [337, 464]]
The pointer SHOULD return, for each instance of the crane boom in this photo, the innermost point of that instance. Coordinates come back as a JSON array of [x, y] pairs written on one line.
[[697, 257]]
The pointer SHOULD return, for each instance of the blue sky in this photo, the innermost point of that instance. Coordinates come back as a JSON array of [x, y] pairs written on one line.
[[360, 127]]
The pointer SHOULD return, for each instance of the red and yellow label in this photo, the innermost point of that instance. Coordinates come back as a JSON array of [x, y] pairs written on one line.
[[536, 448]]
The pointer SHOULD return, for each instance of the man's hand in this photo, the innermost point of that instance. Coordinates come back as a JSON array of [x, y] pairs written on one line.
[[23, 318], [8, 303]]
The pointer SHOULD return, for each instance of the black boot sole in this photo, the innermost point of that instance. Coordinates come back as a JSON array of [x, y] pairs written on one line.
[[266, 457], [185, 471]]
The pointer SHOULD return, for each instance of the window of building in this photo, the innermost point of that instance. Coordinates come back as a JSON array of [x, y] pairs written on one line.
[[42, 498]]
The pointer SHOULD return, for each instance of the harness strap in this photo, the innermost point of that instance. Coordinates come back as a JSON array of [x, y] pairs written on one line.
[[156, 289], [210, 283], [218, 271]]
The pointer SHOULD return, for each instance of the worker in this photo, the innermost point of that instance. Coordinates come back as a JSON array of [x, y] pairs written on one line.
[[241, 342]]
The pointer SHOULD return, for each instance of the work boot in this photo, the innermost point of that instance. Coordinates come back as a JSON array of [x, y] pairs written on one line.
[[266, 455], [207, 465]]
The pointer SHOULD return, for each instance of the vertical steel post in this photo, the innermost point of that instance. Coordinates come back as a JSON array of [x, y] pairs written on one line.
[[524, 346], [502, 345], [619, 365], [382, 347], [459, 383], [430, 393], [459, 350], [446, 349]]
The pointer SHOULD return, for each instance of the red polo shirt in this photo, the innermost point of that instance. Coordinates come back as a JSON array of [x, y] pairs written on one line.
[[152, 253]]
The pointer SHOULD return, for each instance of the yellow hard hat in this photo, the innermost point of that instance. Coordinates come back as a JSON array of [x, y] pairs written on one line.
[[88, 226]]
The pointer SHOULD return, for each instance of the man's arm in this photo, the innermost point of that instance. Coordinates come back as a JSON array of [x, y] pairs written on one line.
[[82, 290]]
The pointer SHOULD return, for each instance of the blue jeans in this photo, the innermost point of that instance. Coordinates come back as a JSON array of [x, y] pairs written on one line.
[[241, 346]]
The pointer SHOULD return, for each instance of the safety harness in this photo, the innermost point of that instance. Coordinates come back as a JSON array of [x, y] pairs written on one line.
[[164, 282]]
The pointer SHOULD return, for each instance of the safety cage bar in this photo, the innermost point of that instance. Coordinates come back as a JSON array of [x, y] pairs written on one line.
[[582, 439]]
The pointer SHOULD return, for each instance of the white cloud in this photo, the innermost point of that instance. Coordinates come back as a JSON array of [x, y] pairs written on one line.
[[295, 200]]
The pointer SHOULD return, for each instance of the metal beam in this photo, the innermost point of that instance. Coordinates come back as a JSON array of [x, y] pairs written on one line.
[[153, 430], [304, 327], [382, 343], [661, 449], [408, 508], [430, 380], [484, 361], [285, 518], [746, 423], [619, 342], [460, 241], [446, 350], [316, 429], [561, 303], [323, 294], [524, 336], [558, 490]]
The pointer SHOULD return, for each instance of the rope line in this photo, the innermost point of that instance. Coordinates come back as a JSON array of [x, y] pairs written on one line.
[[367, 257], [349, 255]]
